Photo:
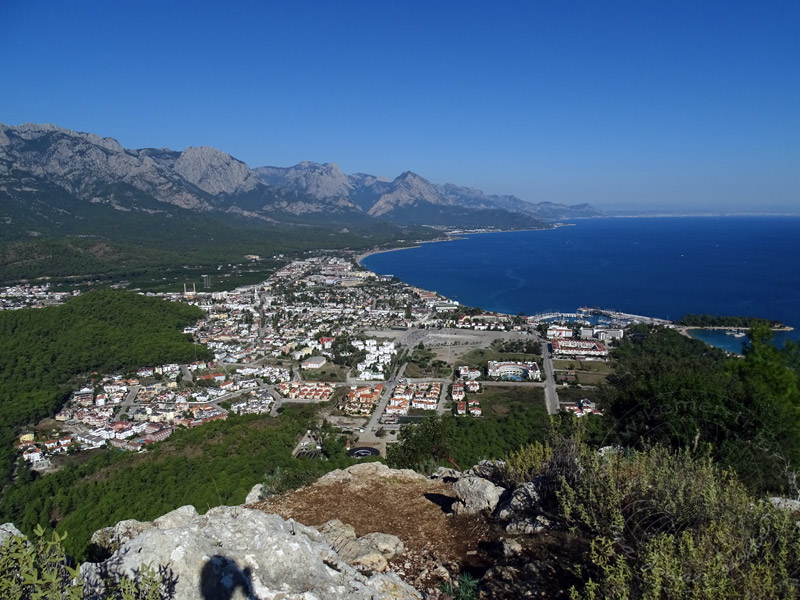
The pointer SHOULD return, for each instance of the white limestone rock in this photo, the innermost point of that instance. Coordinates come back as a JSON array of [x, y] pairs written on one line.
[[364, 474], [7, 530], [111, 538], [523, 500], [356, 551], [236, 552], [255, 494], [475, 495]]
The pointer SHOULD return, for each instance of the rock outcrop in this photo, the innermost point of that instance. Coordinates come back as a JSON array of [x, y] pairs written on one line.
[[475, 495], [236, 552], [364, 474], [255, 494], [372, 550], [7, 530]]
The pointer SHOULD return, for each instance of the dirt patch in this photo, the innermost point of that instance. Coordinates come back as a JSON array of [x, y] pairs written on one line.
[[101, 250], [437, 542]]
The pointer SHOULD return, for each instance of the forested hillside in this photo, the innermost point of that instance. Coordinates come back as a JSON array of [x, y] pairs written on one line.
[[209, 466], [676, 391], [44, 351]]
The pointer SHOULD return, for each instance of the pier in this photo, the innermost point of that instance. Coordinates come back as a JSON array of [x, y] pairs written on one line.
[[600, 312]]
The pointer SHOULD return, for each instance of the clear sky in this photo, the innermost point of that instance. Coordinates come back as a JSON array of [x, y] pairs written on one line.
[[625, 105]]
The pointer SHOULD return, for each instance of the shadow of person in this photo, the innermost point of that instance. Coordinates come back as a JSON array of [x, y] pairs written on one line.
[[222, 579]]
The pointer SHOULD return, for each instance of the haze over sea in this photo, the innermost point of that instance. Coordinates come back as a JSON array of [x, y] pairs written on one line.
[[660, 267]]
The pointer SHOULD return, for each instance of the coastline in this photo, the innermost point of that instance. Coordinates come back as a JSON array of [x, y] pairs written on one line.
[[436, 282], [455, 236], [359, 258], [720, 328]]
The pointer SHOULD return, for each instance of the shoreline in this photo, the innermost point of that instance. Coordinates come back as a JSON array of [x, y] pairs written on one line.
[[456, 236], [364, 255], [743, 328], [689, 331]]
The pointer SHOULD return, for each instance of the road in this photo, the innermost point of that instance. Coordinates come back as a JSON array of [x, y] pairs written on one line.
[[372, 426], [187, 374], [129, 398], [550, 394]]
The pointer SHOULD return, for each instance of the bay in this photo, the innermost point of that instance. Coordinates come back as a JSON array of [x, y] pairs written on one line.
[[659, 267]]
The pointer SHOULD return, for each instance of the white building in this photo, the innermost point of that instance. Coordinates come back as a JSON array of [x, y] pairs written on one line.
[[315, 362]]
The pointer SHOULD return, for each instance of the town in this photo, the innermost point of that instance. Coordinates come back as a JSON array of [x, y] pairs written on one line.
[[373, 352]]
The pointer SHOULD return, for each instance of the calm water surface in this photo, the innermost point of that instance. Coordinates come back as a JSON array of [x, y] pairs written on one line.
[[660, 267]]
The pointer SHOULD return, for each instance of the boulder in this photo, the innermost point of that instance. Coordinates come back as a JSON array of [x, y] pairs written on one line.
[[7, 530], [177, 518], [372, 561], [785, 503], [385, 543], [255, 494], [446, 474], [111, 538], [475, 494], [524, 500], [529, 525], [241, 553], [511, 548], [493, 470], [363, 474], [353, 550]]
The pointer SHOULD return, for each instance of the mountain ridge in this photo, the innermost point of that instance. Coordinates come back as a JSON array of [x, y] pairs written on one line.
[[380, 196], [99, 170]]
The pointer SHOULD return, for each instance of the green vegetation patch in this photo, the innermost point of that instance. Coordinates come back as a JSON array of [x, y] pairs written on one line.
[[329, 372], [480, 356], [211, 465], [43, 351], [667, 524], [442, 441], [586, 366], [679, 392], [501, 401], [692, 320], [422, 363]]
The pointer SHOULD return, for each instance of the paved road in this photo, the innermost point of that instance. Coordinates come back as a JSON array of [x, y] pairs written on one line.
[[550, 394], [129, 398], [513, 383], [373, 424], [187, 374]]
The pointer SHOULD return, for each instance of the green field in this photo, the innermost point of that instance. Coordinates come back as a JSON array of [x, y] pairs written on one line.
[[328, 372], [588, 366], [500, 401], [575, 394], [415, 371], [480, 356], [588, 372]]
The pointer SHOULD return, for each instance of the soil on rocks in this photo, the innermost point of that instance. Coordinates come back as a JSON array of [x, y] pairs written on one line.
[[438, 544]]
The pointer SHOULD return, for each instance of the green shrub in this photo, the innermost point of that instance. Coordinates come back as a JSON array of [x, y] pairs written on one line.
[[669, 525], [39, 570], [526, 462]]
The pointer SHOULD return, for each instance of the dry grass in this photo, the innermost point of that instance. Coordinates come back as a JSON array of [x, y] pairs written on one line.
[[414, 511]]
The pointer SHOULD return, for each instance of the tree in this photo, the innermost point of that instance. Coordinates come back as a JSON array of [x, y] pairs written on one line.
[[678, 392], [421, 445]]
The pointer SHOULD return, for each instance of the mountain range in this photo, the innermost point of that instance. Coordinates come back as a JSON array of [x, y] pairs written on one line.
[[50, 176], [79, 205]]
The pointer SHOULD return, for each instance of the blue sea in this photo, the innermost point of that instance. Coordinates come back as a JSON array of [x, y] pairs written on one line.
[[660, 267]]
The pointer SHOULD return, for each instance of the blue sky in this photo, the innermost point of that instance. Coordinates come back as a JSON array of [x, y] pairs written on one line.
[[625, 105]]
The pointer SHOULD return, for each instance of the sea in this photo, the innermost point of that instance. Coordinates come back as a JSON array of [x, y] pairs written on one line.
[[659, 267]]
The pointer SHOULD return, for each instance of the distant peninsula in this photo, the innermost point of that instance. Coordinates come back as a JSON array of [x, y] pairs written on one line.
[[728, 322]]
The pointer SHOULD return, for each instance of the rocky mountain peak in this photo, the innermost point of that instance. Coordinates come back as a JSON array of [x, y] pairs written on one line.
[[235, 552], [214, 171], [32, 131], [321, 181]]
